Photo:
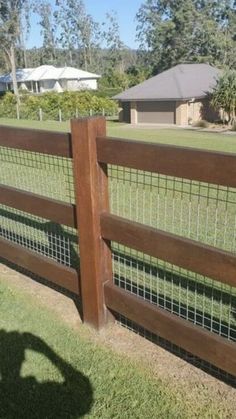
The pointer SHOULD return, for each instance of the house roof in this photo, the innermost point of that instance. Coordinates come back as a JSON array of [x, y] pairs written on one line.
[[184, 81], [21, 75], [74, 73], [49, 72]]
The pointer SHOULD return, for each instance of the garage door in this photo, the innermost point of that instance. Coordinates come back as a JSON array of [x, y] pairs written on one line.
[[156, 112], [126, 112]]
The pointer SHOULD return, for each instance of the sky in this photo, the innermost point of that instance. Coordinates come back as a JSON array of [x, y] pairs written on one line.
[[126, 11]]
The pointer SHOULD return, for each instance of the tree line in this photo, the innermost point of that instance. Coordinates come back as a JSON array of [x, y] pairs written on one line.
[[168, 33]]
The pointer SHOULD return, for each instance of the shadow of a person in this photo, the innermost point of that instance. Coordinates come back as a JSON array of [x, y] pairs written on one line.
[[25, 397]]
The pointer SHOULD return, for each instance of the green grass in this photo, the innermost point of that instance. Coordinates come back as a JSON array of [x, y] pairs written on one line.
[[50, 371], [47, 125], [198, 211], [175, 136]]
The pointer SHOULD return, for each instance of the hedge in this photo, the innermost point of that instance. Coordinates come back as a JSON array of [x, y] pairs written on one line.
[[70, 104]]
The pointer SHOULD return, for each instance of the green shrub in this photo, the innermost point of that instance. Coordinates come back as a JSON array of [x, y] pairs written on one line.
[[201, 124], [71, 104], [8, 105]]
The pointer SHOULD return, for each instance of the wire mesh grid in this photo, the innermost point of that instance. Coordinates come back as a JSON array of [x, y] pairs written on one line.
[[200, 300], [49, 239], [49, 176], [200, 211]]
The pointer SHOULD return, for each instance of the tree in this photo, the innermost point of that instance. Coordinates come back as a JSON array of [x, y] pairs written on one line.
[[136, 75], [187, 31], [77, 29], [44, 9], [111, 34], [11, 12], [224, 95]]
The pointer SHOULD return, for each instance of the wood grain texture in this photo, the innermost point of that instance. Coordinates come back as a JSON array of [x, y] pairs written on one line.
[[38, 141], [40, 265], [51, 209], [91, 191], [199, 342], [194, 256], [204, 166]]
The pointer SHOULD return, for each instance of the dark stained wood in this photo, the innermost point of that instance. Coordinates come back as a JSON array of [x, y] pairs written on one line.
[[194, 256], [40, 265], [51, 209], [91, 191], [182, 162], [39, 141], [194, 339]]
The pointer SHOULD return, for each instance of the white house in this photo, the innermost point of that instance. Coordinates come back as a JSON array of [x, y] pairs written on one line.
[[48, 78]]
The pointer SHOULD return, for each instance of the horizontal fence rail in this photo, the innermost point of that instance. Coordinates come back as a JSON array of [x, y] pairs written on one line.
[[193, 339], [38, 141], [188, 254], [51, 209], [40, 265], [182, 162]]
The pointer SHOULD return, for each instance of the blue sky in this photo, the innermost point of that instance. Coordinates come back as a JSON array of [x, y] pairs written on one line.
[[126, 10]]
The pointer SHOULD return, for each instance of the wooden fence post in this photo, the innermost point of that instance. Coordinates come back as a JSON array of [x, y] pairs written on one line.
[[91, 191], [60, 115], [40, 114]]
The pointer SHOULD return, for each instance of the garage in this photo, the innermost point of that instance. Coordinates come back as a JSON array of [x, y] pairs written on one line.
[[165, 98], [156, 112]]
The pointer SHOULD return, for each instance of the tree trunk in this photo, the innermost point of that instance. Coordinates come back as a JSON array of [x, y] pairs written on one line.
[[85, 59], [70, 57], [24, 53], [90, 54], [25, 57], [13, 72]]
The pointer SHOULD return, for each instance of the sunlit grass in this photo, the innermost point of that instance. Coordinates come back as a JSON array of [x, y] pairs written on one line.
[[49, 370]]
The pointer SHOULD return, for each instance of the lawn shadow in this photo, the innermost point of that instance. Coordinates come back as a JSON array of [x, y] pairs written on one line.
[[25, 397]]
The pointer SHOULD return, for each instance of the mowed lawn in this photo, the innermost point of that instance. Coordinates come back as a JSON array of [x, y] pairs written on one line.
[[175, 136], [202, 212], [48, 370]]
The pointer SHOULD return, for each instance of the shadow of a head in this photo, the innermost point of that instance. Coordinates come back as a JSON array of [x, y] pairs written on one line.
[[25, 397]]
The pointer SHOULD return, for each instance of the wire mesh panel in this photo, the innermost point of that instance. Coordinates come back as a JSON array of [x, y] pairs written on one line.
[[42, 236], [49, 176], [45, 175], [202, 301], [200, 211]]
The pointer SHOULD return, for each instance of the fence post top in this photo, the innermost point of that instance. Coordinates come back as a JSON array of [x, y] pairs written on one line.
[[88, 119]]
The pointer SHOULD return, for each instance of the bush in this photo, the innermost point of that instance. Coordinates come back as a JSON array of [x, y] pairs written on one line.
[[224, 94], [71, 104], [8, 105], [201, 124]]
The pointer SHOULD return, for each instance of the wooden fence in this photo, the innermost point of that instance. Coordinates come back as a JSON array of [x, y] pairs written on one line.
[[92, 151]]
